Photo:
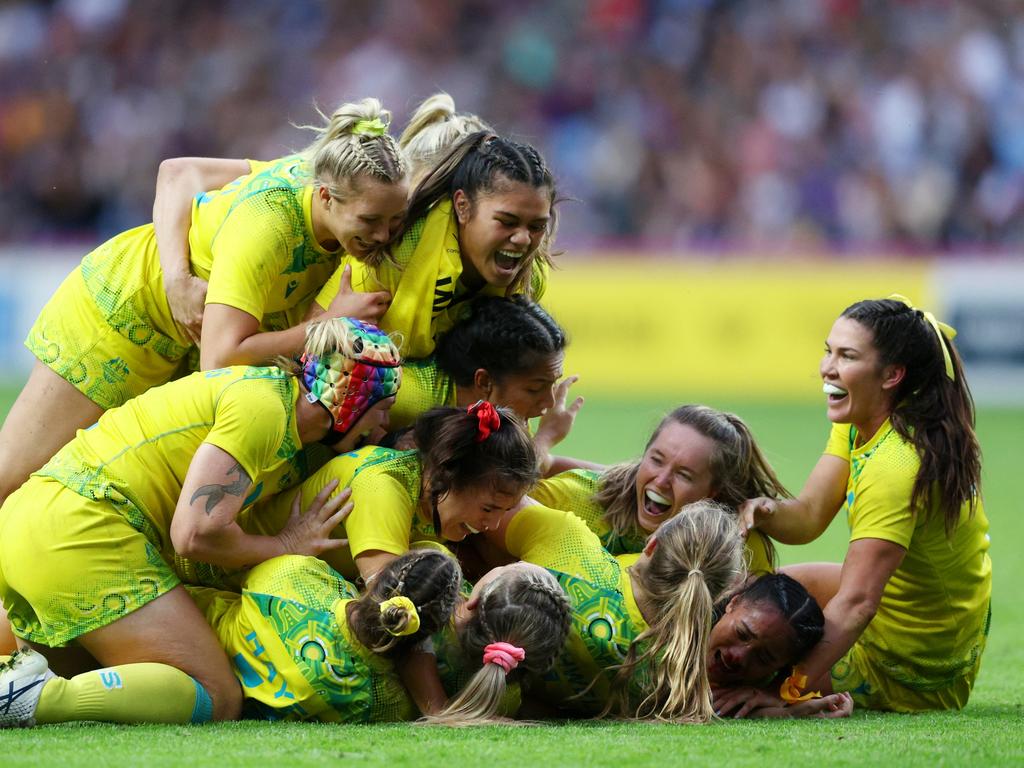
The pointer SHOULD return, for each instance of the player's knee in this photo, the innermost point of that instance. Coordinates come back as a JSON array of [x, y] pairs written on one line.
[[227, 698]]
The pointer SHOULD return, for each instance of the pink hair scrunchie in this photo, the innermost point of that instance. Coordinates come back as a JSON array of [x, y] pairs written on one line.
[[505, 655]]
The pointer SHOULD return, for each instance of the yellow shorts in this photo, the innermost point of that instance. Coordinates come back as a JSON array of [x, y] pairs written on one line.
[[108, 330], [872, 686], [70, 565]]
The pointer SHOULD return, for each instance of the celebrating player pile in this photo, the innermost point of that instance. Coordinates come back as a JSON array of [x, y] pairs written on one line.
[[256, 539]]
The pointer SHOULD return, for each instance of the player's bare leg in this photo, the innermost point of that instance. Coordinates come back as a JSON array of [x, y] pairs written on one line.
[[171, 630], [42, 420]]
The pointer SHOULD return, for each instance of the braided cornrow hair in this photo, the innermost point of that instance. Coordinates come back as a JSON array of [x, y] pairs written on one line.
[[792, 600], [429, 579], [503, 335], [480, 164], [524, 606], [931, 411]]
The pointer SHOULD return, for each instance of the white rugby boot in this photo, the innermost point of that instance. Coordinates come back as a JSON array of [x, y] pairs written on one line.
[[22, 677]]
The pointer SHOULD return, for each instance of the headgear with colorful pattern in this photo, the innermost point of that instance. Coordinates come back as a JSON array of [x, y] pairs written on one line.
[[347, 367]]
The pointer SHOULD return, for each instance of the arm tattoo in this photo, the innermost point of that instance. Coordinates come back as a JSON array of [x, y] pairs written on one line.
[[216, 492]]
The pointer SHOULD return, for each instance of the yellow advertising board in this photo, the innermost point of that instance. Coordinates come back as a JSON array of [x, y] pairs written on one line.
[[750, 329]]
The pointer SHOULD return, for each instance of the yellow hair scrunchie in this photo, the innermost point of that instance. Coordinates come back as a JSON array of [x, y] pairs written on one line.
[[792, 686], [374, 127], [941, 330], [403, 602]]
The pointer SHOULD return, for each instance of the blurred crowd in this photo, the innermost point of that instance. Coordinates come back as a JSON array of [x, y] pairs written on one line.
[[700, 125]]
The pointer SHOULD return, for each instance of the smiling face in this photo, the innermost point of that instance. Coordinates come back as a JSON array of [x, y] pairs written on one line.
[[675, 470], [499, 229], [749, 644], [529, 392], [473, 509], [859, 388], [364, 219]]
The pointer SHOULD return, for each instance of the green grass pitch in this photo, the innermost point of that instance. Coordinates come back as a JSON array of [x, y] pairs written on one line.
[[990, 731]]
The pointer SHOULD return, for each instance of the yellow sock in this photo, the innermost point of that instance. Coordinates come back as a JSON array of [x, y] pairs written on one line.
[[129, 693]]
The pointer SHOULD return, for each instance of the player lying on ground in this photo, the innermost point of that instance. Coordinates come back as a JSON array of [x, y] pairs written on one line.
[[639, 640]]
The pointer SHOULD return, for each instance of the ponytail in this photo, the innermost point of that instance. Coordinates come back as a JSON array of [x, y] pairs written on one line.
[[434, 128], [519, 627], [409, 599], [698, 557]]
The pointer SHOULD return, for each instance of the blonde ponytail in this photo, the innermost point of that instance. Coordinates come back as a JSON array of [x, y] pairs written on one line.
[[355, 141], [433, 130], [524, 612], [698, 556]]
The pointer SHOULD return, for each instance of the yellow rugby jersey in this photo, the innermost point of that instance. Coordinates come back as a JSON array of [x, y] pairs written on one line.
[[933, 617], [290, 645], [386, 489], [424, 386], [574, 491], [427, 296], [136, 456], [605, 616], [253, 240]]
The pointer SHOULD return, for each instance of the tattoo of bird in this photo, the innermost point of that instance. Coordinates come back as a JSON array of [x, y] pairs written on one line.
[[215, 492]]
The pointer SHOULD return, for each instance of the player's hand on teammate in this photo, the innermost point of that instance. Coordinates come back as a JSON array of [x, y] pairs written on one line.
[[186, 295], [309, 532], [754, 512], [348, 302]]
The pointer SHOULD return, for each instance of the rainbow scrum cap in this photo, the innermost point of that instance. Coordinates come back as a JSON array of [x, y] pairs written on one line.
[[349, 366]]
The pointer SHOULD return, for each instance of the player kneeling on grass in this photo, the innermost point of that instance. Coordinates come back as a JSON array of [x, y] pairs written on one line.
[[86, 545], [907, 613]]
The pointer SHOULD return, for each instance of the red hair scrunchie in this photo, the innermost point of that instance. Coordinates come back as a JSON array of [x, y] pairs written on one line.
[[487, 418], [505, 655]]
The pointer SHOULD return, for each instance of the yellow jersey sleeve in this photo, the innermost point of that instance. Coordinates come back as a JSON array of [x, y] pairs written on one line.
[[382, 516], [250, 251], [248, 425], [839, 441]]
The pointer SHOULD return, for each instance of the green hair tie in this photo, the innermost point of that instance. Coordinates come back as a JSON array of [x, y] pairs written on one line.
[[375, 127]]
